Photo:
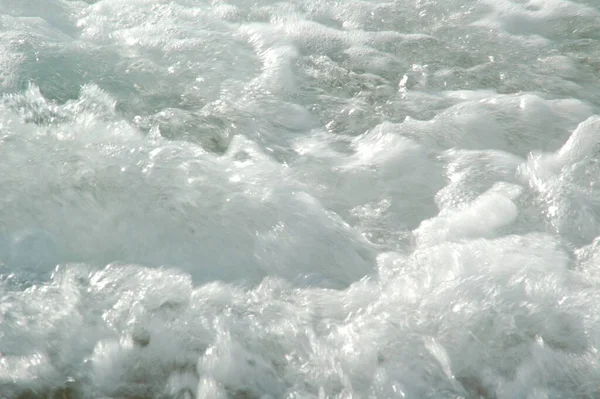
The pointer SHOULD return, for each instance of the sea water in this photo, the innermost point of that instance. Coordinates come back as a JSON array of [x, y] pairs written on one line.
[[299, 199]]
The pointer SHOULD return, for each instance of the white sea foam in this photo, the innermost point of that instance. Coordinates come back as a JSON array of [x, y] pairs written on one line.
[[299, 199]]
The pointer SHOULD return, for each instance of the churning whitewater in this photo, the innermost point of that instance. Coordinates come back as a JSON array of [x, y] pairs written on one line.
[[260, 199]]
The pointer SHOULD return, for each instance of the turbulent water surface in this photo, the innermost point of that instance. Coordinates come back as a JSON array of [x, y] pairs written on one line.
[[299, 199]]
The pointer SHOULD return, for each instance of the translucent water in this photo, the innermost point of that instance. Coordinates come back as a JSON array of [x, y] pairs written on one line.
[[299, 199]]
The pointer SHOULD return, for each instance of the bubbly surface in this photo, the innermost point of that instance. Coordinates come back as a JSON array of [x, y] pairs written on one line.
[[260, 199]]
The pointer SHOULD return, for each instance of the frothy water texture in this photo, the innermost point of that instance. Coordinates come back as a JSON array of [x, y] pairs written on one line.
[[254, 199]]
